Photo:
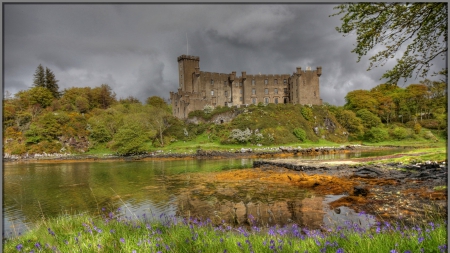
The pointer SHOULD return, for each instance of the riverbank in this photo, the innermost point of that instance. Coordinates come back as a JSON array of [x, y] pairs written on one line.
[[244, 152]]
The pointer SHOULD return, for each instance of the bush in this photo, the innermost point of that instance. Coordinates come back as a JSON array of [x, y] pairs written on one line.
[[300, 134], [429, 136], [417, 128], [430, 123], [400, 133], [307, 113], [241, 136], [376, 134], [369, 119]]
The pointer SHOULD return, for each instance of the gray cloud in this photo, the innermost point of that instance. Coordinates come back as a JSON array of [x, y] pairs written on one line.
[[134, 47]]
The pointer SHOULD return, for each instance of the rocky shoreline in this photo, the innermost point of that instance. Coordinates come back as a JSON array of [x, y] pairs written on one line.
[[391, 190], [200, 154]]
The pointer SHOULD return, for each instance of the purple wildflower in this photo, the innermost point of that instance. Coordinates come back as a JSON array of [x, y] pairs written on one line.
[[239, 244], [99, 246], [38, 245], [122, 240], [393, 251], [420, 239], [19, 247], [443, 248], [340, 250]]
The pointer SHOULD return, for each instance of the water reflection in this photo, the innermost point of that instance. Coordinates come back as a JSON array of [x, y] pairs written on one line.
[[185, 187]]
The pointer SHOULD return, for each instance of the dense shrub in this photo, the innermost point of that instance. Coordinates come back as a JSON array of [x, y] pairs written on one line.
[[376, 134], [400, 133], [368, 118], [300, 134], [417, 128], [430, 123], [429, 136], [307, 113]]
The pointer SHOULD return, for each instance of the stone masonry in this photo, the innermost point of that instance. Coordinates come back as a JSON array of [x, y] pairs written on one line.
[[198, 88]]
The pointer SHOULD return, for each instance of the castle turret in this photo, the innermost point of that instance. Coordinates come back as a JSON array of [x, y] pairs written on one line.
[[187, 65]]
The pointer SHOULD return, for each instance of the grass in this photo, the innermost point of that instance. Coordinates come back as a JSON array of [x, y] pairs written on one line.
[[111, 232]]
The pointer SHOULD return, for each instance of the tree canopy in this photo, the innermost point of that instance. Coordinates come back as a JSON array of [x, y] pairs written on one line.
[[420, 29]]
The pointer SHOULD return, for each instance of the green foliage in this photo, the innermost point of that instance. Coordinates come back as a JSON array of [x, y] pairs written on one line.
[[39, 77], [51, 83], [307, 113], [369, 119], [376, 134], [158, 102], [417, 128], [300, 134], [35, 96], [417, 29], [100, 134], [400, 133], [129, 140], [349, 121]]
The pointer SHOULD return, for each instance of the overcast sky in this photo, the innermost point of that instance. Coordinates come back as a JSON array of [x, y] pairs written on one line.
[[134, 48]]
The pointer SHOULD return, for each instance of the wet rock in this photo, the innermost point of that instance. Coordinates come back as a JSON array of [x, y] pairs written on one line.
[[367, 173], [360, 191]]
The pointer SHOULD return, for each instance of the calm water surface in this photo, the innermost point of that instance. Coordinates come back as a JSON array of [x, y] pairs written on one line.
[[33, 190]]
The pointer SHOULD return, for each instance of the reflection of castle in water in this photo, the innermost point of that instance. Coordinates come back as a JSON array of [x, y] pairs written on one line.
[[307, 212]]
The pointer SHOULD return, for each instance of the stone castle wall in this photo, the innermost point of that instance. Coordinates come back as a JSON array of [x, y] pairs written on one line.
[[198, 88]]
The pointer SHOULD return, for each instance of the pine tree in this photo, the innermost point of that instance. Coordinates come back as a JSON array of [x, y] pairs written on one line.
[[39, 77], [51, 83]]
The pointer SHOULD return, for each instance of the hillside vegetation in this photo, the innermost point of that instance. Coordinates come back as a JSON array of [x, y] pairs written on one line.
[[84, 119]]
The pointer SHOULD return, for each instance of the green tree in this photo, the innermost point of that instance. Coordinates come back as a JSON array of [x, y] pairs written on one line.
[[36, 95], [104, 96], [39, 77], [420, 29], [129, 140], [51, 83], [368, 118], [361, 99], [349, 121], [158, 102]]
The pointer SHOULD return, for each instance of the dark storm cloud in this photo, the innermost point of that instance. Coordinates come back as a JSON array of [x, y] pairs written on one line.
[[133, 48]]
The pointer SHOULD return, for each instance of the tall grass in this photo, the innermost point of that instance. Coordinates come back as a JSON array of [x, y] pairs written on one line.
[[112, 232]]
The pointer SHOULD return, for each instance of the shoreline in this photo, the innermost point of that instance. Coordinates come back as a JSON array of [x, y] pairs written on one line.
[[280, 152]]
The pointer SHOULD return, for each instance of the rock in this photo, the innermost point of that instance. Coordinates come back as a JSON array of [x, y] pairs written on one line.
[[360, 191]]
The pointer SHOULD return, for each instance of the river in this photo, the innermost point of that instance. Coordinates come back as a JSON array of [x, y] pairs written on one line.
[[33, 190]]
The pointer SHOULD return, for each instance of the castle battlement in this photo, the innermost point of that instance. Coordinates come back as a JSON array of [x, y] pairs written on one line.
[[199, 88]]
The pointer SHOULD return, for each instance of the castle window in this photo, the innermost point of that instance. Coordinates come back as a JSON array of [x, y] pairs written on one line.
[[275, 81], [241, 99], [253, 81], [240, 84], [266, 100], [285, 91], [240, 91], [276, 100], [212, 81], [225, 83], [276, 91], [237, 84], [266, 81], [226, 93], [314, 93], [284, 81], [254, 101], [253, 91], [266, 91], [212, 93]]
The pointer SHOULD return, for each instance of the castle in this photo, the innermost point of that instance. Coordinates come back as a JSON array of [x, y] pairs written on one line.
[[198, 88]]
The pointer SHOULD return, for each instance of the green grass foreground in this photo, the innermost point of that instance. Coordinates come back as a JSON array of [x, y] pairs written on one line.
[[114, 233]]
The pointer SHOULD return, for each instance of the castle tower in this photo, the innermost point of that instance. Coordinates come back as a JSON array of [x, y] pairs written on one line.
[[187, 67]]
